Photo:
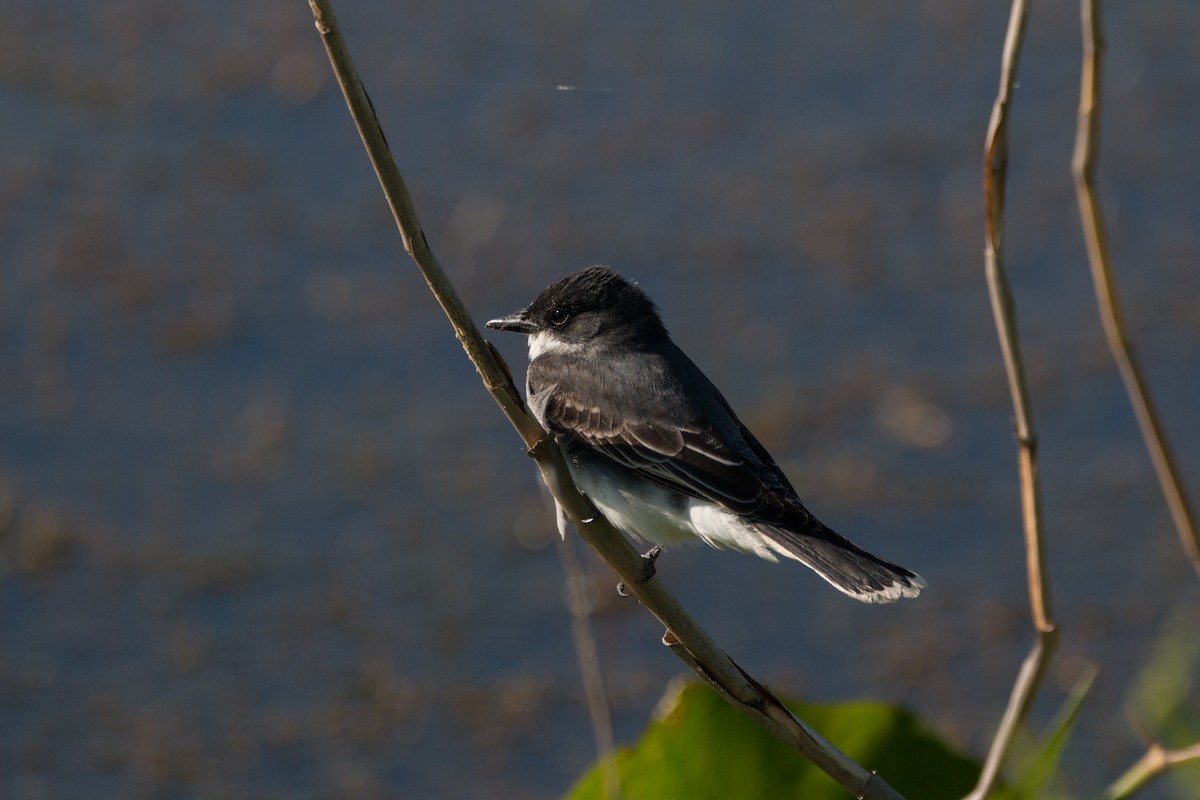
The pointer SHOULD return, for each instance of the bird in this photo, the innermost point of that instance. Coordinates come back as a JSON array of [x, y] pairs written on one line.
[[655, 446]]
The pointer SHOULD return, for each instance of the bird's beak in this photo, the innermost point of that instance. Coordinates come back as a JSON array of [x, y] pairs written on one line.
[[518, 322]]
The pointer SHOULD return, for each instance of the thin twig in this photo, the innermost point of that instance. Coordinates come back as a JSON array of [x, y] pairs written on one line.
[[1083, 166], [1154, 762], [703, 655], [589, 666], [995, 176], [1157, 759]]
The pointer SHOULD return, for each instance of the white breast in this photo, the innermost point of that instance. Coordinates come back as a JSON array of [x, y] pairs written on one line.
[[651, 513]]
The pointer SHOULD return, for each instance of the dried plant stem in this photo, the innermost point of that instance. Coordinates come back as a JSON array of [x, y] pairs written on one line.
[[1156, 760], [687, 639], [1087, 149], [995, 177], [589, 667]]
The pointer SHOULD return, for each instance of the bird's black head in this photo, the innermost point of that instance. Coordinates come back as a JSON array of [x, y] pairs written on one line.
[[586, 304]]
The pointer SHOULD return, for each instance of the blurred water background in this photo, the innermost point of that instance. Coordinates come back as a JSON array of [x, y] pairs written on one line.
[[263, 534]]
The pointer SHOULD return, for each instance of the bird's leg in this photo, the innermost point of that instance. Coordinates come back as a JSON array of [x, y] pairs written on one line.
[[648, 569]]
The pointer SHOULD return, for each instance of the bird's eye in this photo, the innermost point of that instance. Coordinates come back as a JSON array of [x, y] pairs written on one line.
[[558, 316]]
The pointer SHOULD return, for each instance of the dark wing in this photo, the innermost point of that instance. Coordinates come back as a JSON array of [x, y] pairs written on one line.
[[674, 428], [683, 436]]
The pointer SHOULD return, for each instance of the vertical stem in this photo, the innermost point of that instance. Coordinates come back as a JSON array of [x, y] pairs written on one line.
[[589, 666], [1091, 216], [995, 176]]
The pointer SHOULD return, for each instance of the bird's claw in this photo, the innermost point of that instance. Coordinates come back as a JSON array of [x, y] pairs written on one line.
[[648, 569]]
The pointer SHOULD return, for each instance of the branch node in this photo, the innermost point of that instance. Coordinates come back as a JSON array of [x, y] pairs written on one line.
[[539, 448]]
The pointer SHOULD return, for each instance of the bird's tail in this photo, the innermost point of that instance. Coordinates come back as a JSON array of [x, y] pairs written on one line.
[[847, 566]]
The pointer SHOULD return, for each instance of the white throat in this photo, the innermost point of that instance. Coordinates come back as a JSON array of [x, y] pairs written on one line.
[[542, 343]]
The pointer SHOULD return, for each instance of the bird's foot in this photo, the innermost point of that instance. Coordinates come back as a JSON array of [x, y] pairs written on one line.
[[648, 569]]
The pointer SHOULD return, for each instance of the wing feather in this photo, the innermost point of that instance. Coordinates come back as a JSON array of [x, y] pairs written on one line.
[[692, 459], [686, 438]]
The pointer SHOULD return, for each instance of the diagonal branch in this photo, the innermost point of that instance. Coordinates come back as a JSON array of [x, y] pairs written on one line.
[[995, 177], [1083, 166], [687, 639], [1154, 762]]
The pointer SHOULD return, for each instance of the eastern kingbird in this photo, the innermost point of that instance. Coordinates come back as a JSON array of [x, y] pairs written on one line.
[[655, 446]]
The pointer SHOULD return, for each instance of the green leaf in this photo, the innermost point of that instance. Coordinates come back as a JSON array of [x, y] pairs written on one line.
[[1164, 696], [1165, 699], [1037, 770], [700, 747]]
